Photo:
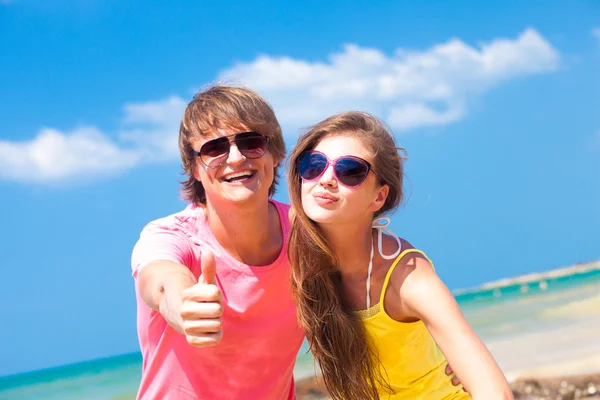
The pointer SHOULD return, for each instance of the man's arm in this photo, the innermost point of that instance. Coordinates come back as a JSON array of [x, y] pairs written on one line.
[[161, 284], [192, 308]]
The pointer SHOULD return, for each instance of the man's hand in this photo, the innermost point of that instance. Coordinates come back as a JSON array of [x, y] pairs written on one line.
[[455, 380], [201, 307]]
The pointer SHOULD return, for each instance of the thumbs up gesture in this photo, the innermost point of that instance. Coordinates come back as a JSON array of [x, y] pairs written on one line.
[[201, 307]]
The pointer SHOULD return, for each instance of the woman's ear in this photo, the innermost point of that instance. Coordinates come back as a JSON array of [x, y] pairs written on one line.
[[379, 201]]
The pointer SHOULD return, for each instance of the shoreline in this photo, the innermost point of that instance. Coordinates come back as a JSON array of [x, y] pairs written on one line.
[[134, 357], [564, 387], [579, 268]]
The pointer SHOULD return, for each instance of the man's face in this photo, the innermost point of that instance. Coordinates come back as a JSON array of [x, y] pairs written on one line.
[[239, 179]]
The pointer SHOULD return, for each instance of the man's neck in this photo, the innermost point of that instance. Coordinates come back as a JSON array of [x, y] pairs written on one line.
[[250, 232]]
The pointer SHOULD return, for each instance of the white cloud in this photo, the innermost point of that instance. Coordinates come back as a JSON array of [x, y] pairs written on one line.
[[409, 116], [154, 126], [409, 89], [55, 156], [596, 33]]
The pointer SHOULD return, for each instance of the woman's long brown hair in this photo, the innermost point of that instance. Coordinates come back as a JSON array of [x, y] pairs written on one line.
[[335, 334]]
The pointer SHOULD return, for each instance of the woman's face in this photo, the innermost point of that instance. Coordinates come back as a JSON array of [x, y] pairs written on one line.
[[326, 200]]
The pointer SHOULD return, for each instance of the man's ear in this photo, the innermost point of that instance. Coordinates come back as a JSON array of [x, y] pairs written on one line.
[[196, 170]]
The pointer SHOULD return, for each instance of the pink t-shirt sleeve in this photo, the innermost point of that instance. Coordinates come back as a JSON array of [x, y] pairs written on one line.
[[161, 242]]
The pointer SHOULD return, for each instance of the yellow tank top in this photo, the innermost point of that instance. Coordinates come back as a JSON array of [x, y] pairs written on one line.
[[410, 360]]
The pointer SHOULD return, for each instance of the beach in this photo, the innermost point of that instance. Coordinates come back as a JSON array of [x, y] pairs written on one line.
[[543, 329], [558, 388]]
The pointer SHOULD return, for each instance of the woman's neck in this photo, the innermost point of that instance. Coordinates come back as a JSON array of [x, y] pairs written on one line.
[[352, 245]]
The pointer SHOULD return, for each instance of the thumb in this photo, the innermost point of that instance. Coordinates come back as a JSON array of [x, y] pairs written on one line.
[[208, 268]]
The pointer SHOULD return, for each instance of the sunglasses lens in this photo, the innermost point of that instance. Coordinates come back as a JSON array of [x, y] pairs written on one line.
[[214, 151], [350, 171], [251, 145], [311, 165]]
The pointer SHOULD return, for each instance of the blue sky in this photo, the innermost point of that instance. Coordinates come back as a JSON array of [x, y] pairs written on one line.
[[497, 105]]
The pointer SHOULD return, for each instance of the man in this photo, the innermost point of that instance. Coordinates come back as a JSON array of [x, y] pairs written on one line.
[[217, 272], [215, 314]]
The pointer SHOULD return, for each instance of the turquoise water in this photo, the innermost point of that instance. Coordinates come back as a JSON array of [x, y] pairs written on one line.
[[510, 311], [109, 378], [508, 319]]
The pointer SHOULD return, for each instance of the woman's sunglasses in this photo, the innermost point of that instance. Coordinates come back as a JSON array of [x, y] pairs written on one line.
[[349, 170], [215, 152]]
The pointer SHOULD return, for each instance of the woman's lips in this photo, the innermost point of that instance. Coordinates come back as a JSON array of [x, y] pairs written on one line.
[[324, 198]]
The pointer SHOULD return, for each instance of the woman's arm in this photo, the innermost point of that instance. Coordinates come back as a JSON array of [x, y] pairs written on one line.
[[423, 295]]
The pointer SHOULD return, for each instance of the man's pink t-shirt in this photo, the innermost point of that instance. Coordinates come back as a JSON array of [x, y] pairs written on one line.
[[261, 336]]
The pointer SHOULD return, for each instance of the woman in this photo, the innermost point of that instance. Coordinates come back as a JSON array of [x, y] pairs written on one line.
[[380, 324]]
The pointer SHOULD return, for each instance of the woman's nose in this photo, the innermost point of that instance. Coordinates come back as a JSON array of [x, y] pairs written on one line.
[[328, 177]]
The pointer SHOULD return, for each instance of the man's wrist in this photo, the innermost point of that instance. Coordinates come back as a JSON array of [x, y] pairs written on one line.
[[170, 308]]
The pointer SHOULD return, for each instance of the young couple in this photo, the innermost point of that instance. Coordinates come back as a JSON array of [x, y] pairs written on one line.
[[228, 288]]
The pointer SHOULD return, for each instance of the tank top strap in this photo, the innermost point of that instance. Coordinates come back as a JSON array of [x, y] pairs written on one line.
[[393, 267]]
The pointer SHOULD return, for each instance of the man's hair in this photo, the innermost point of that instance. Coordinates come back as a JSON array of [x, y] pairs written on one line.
[[225, 107]]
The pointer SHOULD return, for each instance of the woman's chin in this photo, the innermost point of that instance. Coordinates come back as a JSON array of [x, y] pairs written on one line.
[[321, 216]]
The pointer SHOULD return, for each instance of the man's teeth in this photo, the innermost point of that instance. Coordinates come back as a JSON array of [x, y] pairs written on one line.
[[239, 176]]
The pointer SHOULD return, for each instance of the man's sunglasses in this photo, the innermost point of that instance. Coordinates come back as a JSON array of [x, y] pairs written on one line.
[[215, 152], [349, 170]]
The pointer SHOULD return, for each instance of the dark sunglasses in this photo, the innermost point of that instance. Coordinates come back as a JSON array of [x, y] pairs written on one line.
[[215, 152], [349, 170]]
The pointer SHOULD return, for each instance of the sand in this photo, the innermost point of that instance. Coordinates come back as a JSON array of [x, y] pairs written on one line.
[[558, 388]]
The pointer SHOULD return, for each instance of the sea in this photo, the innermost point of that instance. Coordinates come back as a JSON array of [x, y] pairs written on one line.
[[537, 325]]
